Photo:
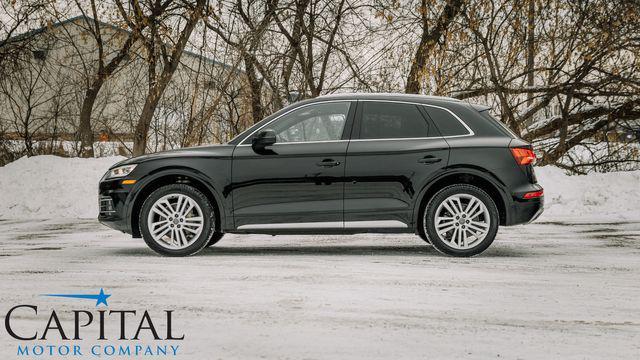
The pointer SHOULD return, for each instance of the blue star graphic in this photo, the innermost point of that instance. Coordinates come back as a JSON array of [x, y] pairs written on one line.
[[100, 298]]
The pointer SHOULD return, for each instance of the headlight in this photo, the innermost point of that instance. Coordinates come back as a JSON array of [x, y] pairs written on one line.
[[120, 171]]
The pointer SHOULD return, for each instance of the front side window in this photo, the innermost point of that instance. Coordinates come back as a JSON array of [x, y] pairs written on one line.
[[388, 120], [317, 122]]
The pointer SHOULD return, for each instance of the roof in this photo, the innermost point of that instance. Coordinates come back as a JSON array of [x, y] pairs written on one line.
[[43, 29]]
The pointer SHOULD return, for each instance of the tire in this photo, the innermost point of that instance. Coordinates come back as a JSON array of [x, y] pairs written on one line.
[[461, 234], [215, 238], [192, 228], [422, 235]]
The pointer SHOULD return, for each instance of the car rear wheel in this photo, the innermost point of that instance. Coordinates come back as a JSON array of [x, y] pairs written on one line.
[[177, 220], [460, 220]]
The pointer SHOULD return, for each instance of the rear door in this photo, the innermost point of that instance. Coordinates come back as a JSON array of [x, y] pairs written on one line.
[[393, 152]]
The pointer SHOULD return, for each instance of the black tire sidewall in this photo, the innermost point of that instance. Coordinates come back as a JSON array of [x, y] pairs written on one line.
[[438, 198], [209, 220]]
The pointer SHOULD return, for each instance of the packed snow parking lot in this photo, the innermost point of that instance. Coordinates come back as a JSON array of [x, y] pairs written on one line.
[[564, 287], [547, 290]]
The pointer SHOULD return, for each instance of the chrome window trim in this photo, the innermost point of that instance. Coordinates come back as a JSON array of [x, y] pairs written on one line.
[[307, 142], [470, 132], [397, 139]]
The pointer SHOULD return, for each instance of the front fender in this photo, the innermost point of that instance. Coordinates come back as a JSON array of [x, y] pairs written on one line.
[[170, 171]]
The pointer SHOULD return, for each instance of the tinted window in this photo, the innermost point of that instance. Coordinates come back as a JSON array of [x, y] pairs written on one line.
[[387, 120], [319, 122], [503, 127], [445, 122]]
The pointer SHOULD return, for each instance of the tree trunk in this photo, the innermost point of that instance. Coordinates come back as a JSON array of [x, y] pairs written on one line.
[[255, 88], [142, 128], [85, 132], [530, 48], [158, 84], [428, 41]]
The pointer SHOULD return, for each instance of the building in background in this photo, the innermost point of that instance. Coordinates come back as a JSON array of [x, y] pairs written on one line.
[[42, 89]]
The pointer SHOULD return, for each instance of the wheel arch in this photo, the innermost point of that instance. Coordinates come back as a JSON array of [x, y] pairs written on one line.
[[167, 176], [471, 175]]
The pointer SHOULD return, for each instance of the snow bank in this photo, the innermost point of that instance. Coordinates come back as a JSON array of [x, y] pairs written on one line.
[[596, 196], [52, 187], [55, 187]]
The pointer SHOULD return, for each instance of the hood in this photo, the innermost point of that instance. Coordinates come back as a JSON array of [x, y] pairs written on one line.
[[208, 151]]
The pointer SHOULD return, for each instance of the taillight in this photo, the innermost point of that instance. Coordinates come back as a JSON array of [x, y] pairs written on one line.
[[523, 156], [533, 194]]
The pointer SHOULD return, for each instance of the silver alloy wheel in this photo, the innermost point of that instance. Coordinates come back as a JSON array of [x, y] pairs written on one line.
[[462, 221], [175, 221]]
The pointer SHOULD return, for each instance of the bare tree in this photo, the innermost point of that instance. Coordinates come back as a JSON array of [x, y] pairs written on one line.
[[531, 25], [588, 79], [106, 64], [16, 17], [163, 52], [292, 50], [429, 39], [26, 95], [245, 32]]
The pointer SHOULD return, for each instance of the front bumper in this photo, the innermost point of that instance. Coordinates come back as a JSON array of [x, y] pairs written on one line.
[[113, 201]]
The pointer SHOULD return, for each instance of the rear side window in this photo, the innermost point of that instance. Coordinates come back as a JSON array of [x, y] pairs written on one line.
[[445, 122], [388, 120], [501, 126]]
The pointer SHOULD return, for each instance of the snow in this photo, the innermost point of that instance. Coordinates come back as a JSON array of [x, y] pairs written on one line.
[[595, 196], [541, 291], [70, 148], [49, 186], [55, 187]]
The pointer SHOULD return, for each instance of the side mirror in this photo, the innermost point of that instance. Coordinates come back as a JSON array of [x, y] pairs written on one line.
[[263, 139]]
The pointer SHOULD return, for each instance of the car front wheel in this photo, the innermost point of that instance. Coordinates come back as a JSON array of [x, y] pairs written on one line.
[[215, 238], [460, 220], [177, 220]]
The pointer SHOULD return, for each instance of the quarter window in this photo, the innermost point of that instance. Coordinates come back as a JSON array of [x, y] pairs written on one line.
[[445, 122], [318, 122], [388, 120]]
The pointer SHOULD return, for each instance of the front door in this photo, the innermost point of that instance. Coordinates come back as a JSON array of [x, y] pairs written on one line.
[[298, 182], [395, 151]]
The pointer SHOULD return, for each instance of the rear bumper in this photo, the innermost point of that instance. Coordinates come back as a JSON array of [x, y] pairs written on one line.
[[521, 210], [525, 211]]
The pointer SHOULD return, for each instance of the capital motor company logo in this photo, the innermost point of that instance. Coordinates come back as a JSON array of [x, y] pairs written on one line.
[[41, 331]]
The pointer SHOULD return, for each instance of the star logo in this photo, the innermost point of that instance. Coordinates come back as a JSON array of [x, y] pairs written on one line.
[[100, 298]]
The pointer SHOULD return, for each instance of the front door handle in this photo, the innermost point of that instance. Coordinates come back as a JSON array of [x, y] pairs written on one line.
[[328, 163], [429, 159]]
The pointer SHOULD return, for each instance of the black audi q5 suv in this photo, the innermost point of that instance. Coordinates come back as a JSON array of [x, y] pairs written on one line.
[[342, 164]]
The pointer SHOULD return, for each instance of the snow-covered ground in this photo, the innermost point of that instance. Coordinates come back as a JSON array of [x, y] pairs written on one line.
[[54, 187], [541, 291]]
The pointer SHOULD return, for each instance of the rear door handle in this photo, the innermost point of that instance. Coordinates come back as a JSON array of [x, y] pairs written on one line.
[[429, 159], [328, 163]]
